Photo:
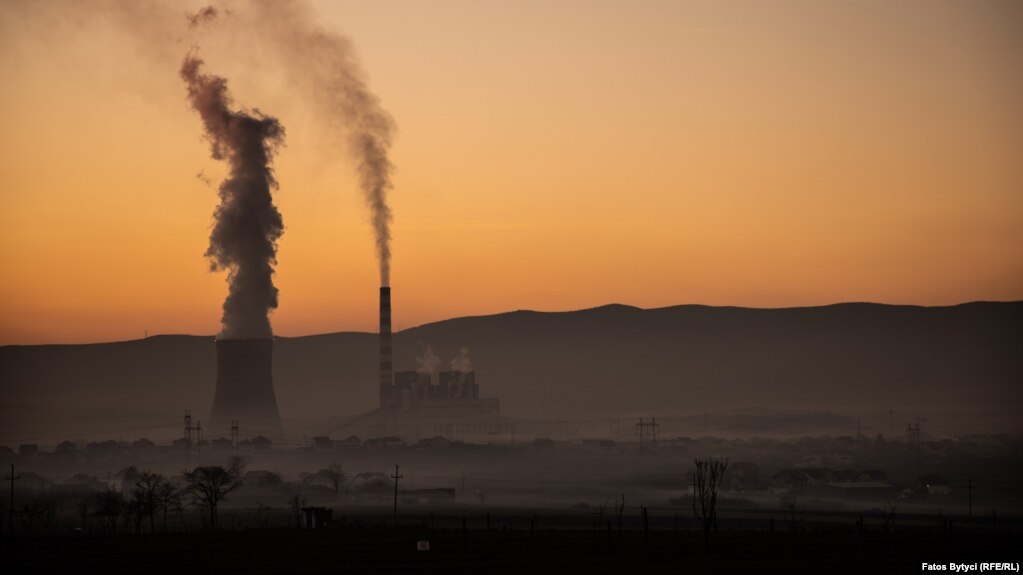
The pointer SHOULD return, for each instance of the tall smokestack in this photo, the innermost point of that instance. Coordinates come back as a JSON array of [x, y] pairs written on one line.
[[386, 371], [245, 388]]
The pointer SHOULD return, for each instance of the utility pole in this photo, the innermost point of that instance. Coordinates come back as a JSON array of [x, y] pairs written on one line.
[[639, 429], [10, 514], [692, 483], [969, 490], [396, 477], [188, 436], [198, 442], [234, 434], [913, 434]]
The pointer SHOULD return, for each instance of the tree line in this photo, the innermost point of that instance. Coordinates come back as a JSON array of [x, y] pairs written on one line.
[[150, 499]]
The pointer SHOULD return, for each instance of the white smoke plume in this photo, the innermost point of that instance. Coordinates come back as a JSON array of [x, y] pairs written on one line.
[[248, 225], [461, 361], [428, 362]]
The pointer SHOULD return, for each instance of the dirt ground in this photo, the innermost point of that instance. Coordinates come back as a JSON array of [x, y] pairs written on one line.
[[375, 547]]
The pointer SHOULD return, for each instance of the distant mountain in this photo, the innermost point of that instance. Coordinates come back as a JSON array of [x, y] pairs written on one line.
[[612, 360]]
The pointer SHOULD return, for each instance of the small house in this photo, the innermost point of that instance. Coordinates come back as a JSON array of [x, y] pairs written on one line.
[[317, 517]]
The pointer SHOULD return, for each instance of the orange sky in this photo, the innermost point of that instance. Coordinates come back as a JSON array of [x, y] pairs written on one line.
[[551, 155]]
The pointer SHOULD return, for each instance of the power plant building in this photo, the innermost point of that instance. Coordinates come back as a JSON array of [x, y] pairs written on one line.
[[415, 406], [421, 404], [414, 387]]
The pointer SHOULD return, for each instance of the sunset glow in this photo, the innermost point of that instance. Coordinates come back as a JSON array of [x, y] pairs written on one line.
[[550, 155]]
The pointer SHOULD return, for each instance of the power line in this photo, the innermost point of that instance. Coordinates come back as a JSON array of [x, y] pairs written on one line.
[[642, 428], [72, 433]]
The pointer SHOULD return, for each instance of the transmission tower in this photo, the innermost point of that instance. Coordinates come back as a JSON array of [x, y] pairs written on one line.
[[644, 428]]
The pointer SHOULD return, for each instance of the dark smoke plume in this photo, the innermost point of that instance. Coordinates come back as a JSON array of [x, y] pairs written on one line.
[[202, 16], [324, 63], [244, 237]]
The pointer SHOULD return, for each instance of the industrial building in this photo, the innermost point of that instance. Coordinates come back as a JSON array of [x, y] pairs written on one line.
[[412, 404], [245, 388], [421, 404]]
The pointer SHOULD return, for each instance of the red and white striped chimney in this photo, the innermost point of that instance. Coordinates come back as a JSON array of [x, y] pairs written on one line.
[[386, 370]]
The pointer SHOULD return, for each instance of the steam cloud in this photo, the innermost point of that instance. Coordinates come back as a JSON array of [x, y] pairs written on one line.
[[461, 362], [248, 225], [428, 362]]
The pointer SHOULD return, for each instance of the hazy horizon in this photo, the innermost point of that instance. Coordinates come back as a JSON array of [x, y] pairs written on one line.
[[398, 329], [548, 156]]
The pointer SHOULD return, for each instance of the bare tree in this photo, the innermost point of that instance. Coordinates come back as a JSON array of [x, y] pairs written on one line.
[[145, 494], [83, 512], [169, 498], [209, 486], [108, 506], [48, 508], [132, 514], [262, 515], [334, 475], [128, 475], [600, 514], [236, 465], [619, 512], [789, 503], [297, 502], [706, 483], [41, 509], [888, 515]]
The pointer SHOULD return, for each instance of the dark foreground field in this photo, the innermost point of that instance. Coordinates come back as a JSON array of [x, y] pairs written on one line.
[[381, 549]]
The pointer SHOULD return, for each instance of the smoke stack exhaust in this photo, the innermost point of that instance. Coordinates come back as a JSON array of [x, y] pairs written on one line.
[[386, 370], [245, 388], [247, 223]]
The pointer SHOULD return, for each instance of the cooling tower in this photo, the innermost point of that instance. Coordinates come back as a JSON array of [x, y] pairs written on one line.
[[386, 377], [245, 389]]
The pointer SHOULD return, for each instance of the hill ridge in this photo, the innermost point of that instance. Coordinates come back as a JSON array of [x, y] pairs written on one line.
[[597, 362]]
